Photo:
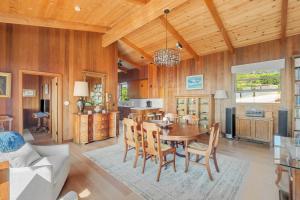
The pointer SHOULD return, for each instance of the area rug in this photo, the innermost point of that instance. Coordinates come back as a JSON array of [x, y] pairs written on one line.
[[173, 185]]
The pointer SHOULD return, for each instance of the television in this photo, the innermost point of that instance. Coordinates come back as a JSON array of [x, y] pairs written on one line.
[[44, 105]]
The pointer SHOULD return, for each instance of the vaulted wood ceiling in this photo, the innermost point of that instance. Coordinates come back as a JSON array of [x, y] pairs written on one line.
[[202, 26]]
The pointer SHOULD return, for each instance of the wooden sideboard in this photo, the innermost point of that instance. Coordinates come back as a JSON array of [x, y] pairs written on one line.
[[95, 127], [255, 128]]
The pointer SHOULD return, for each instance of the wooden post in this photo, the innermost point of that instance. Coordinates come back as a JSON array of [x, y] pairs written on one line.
[[4, 180]]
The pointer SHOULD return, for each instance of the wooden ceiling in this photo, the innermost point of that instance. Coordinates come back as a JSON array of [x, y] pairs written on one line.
[[201, 26]]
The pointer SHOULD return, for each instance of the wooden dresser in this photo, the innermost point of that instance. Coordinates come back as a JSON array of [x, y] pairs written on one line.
[[95, 127], [255, 128]]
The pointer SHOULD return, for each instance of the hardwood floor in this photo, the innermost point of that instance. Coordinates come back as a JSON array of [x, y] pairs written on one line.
[[93, 183]]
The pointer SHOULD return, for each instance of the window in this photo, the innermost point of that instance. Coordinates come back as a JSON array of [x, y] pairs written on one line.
[[123, 91], [258, 86]]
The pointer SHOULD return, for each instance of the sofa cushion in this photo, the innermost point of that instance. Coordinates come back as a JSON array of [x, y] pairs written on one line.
[[23, 157], [58, 163], [10, 141]]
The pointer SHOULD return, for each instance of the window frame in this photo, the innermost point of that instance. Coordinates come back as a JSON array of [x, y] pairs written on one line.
[[235, 91]]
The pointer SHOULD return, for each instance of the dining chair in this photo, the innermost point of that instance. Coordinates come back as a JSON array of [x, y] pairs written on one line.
[[172, 117], [208, 151], [132, 139], [154, 148], [190, 119]]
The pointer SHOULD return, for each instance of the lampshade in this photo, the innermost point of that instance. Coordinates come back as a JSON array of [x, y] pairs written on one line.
[[221, 94], [81, 89]]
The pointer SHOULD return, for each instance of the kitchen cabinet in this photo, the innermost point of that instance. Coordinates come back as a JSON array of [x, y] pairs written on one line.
[[138, 89], [152, 81]]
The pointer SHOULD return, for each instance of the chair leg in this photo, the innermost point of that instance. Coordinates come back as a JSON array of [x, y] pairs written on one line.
[[187, 160], [159, 170], [174, 162], [125, 153], [144, 163], [208, 170], [215, 161], [136, 158], [197, 158]]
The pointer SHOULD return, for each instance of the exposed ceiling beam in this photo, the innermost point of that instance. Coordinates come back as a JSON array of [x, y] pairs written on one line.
[[284, 9], [129, 61], [138, 18], [213, 11], [32, 21], [136, 48], [178, 37], [139, 2]]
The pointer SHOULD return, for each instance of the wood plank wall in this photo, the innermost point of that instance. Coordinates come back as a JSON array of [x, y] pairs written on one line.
[[58, 51], [217, 75]]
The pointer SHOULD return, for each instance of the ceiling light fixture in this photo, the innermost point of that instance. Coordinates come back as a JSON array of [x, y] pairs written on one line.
[[77, 8], [168, 56]]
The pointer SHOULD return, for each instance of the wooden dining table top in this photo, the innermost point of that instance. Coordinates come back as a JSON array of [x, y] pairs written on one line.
[[181, 132]]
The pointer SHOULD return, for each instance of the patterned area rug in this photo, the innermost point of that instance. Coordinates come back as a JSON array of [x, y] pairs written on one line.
[[173, 185]]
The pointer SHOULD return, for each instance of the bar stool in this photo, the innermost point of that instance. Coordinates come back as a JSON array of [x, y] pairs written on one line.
[[150, 116]]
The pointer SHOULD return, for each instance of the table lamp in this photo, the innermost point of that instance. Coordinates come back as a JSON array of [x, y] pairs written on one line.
[[220, 95], [81, 89]]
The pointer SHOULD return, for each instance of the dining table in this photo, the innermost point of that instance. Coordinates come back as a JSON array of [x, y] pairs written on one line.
[[178, 132]]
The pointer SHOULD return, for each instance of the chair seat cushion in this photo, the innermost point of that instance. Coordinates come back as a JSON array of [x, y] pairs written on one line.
[[58, 162], [198, 146]]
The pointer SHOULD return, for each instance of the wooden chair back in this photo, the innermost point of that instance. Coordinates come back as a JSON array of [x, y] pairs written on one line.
[[217, 134], [190, 119], [130, 132], [151, 137], [211, 141]]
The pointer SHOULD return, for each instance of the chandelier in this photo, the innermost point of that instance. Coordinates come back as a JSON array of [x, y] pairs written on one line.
[[167, 57]]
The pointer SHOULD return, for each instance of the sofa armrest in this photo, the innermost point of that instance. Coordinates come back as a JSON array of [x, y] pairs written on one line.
[[51, 150], [37, 180]]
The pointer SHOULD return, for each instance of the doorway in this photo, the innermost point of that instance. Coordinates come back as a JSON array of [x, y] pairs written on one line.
[[40, 111]]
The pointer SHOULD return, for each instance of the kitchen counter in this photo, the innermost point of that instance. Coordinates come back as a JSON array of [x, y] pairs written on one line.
[[144, 108]]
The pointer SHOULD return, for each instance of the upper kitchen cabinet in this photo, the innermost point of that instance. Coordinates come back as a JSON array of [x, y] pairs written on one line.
[[138, 89], [152, 81]]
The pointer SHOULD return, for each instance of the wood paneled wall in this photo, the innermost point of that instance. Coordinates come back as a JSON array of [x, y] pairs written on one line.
[[31, 104], [58, 51], [217, 75]]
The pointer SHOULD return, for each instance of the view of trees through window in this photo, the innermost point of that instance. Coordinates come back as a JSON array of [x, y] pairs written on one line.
[[123, 91], [258, 87]]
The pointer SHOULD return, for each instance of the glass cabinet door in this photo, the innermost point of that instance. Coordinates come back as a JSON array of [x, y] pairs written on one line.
[[192, 108], [203, 112], [181, 106]]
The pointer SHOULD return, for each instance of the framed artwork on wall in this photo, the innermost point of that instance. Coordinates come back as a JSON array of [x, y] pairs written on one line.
[[29, 93], [5, 85], [194, 82]]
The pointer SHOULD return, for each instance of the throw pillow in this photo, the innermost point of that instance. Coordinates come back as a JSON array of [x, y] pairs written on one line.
[[10, 141], [23, 157]]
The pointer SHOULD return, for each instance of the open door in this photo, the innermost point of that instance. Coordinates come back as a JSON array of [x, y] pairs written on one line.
[[54, 109]]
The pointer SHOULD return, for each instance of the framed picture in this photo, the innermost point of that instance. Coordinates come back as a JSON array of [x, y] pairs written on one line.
[[29, 93], [5, 84], [194, 82]]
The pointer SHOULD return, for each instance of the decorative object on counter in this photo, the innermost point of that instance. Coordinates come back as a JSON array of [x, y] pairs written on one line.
[[89, 112], [81, 90], [97, 109], [254, 113], [5, 84], [194, 82]]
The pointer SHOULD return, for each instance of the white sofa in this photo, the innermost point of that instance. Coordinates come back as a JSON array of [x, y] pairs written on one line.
[[44, 179]]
